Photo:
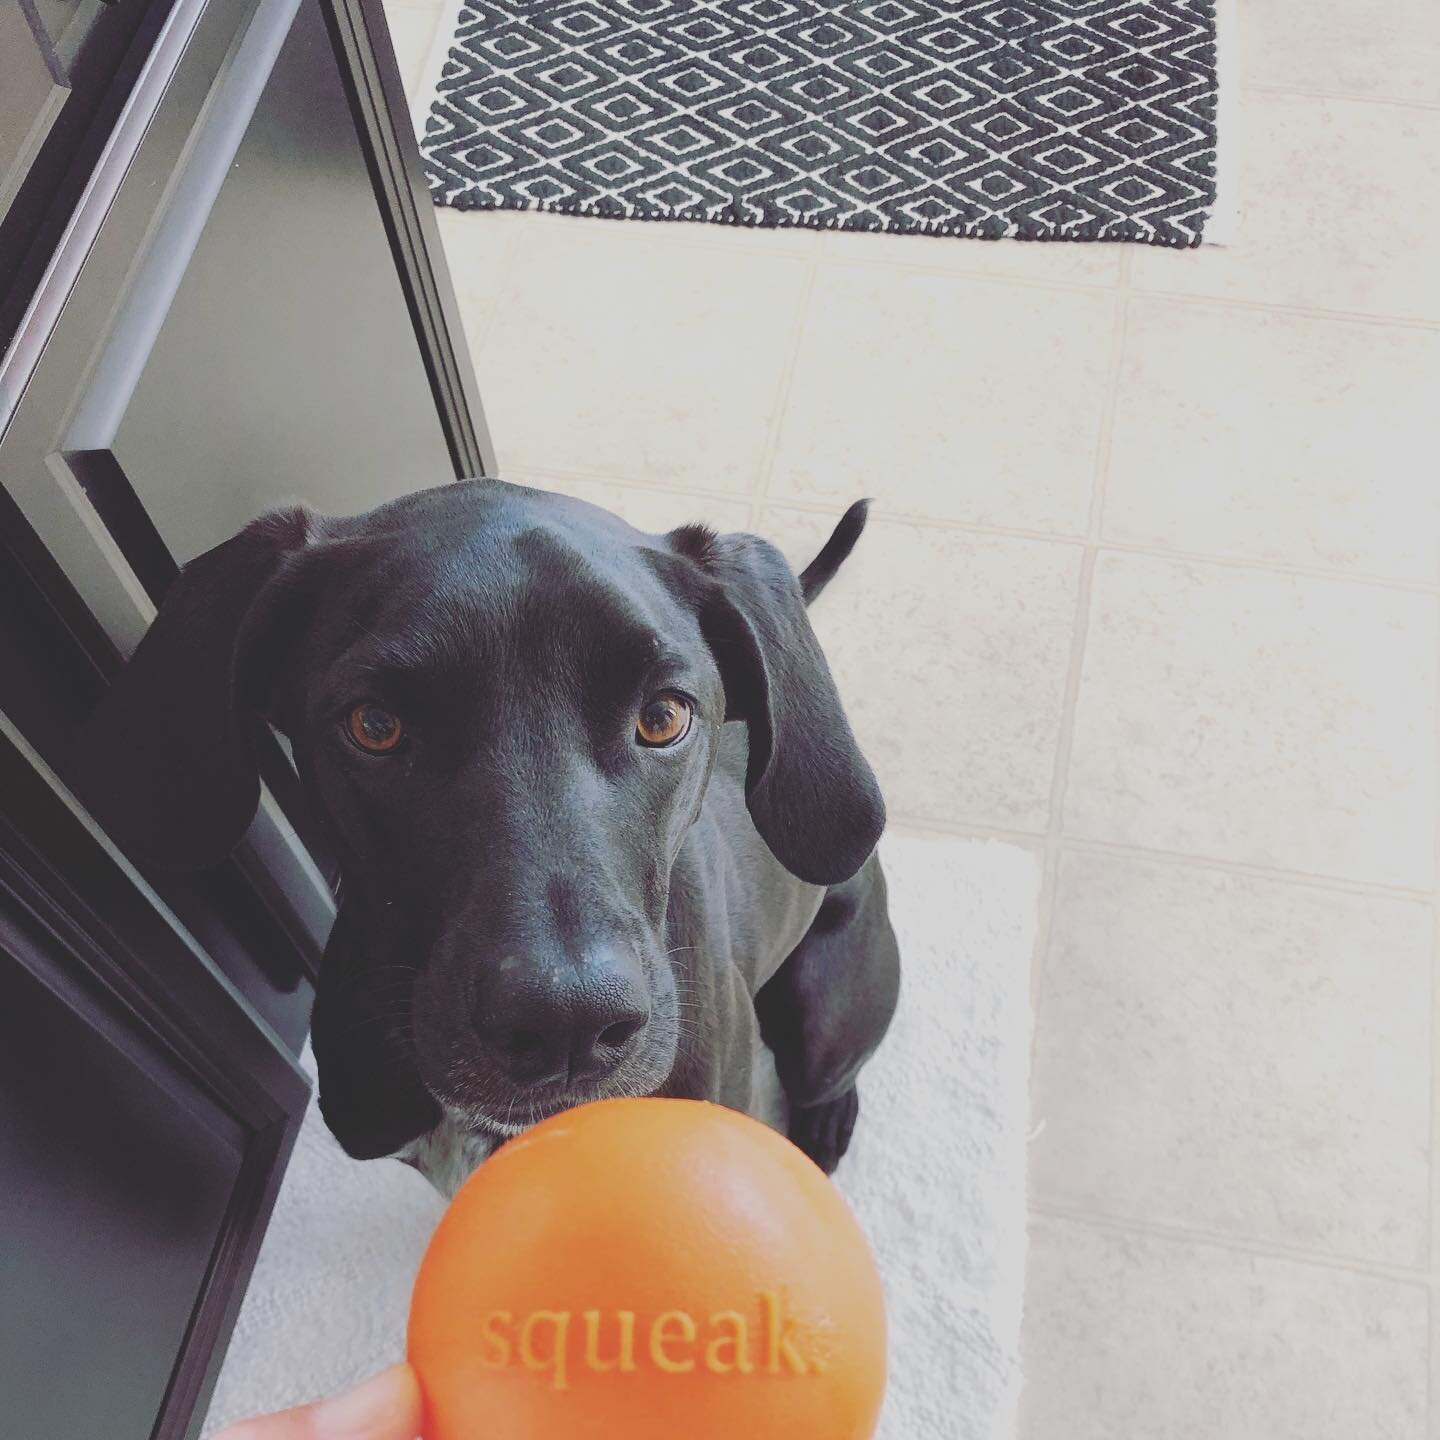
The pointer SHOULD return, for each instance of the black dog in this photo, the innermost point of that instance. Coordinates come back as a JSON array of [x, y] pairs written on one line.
[[565, 876]]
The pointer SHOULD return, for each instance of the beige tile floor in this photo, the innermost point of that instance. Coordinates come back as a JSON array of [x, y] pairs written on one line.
[[1151, 588]]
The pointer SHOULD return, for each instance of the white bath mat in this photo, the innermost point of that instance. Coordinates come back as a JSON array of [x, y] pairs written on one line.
[[936, 1174]]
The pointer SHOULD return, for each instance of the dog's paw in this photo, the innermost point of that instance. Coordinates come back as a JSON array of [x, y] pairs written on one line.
[[823, 1131]]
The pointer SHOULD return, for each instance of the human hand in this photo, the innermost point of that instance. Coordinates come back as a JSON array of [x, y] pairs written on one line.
[[385, 1407]]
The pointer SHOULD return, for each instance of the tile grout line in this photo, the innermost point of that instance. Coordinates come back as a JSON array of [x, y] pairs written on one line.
[[818, 257], [1174, 859], [1431, 1425], [436, 14], [760, 491], [1080, 287], [1269, 567], [1004, 532], [1432, 1234], [1033, 839], [491, 312], [1094, 530], [1059, 778], [1265, 1249], [1320, 93], [1081, 845], [1079, 636], [1314, 879], [736, 245], [736, 239], [1306, 312], [728, 240], [961, 271], [507, 273]]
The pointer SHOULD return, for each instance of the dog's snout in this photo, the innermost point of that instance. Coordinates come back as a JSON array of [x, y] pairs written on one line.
[[565, 1022]]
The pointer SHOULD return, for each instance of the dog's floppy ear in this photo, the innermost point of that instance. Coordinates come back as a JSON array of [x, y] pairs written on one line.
[[811, 794], [371, 1094], [167, 763]]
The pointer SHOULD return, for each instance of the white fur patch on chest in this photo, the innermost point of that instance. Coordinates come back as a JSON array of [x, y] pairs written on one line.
[[448, 1155]]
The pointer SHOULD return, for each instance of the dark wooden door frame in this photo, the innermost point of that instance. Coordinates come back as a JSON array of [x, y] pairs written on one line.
[[140, 981], [78, 918], [84, 509], [377, 99]]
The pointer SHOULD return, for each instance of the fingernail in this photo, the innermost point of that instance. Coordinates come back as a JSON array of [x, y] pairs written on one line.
[[358, 1413]]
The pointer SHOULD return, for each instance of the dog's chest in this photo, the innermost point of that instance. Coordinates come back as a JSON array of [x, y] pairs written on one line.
[[447, 1155]]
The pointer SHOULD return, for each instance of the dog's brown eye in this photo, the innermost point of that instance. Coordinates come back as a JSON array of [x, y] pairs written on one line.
[[663, 720], [374, 728]]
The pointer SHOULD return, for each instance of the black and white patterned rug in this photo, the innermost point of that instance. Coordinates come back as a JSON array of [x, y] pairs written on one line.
[[1042, 119]]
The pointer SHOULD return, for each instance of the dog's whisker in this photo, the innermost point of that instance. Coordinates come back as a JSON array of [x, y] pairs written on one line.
[[369, 972]]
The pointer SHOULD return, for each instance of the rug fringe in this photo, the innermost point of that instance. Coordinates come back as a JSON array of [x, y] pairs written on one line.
[[992, 228]]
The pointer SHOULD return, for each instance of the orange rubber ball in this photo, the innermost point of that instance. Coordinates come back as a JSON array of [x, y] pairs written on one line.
[[648, 1270]]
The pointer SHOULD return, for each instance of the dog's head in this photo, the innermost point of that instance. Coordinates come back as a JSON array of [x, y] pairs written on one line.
[[506, 707]]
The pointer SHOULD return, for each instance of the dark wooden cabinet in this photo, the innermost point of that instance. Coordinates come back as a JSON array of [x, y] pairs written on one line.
[[221, 290]]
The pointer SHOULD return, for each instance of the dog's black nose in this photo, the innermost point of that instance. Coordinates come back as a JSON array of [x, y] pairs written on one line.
[[565, 1022]]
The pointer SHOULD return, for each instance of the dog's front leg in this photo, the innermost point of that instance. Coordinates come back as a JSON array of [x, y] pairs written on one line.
[[827, 1008]]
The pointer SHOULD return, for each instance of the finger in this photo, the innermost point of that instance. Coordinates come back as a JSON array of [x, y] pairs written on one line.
[[385, 1407]]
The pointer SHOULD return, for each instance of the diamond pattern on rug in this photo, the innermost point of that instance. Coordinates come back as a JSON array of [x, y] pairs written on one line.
[[1040, 119]]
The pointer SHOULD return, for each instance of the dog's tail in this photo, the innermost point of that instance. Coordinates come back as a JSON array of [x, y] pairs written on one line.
[[836, 550]]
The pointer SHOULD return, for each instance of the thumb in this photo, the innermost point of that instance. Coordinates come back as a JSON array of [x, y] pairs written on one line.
[[385, 1407]]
